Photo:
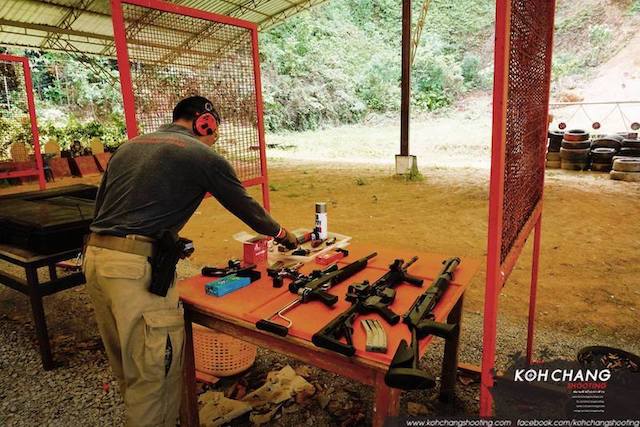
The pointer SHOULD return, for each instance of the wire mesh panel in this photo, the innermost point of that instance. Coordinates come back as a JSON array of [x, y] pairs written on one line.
[[174, 52], [522, 71], [529, 70], [18, 127], [14, 111]]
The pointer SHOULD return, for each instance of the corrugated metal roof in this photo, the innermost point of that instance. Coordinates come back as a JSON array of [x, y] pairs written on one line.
[[85, 25]]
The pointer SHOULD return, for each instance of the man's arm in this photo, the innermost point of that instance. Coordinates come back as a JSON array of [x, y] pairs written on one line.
[[224, 185]]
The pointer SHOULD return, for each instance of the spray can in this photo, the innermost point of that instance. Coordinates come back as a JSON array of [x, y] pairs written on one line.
[[321, 220]]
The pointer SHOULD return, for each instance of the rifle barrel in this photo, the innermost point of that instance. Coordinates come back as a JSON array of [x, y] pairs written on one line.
[[410, 262]]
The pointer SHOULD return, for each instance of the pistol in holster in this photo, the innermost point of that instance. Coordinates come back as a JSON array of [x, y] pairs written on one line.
[[169, 249]]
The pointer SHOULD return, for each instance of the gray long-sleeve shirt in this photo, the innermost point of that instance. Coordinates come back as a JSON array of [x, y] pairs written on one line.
[[156, 181]]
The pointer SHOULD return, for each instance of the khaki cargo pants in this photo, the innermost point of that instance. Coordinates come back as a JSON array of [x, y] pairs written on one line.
[[136, 327]]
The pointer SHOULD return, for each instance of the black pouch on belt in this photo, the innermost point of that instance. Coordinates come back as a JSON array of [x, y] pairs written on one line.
[[169, 249]]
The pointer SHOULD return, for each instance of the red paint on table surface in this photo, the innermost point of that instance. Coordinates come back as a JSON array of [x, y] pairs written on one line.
[[260, 300]]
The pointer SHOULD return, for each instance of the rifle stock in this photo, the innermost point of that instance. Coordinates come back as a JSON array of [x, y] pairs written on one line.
[[341, 325], [404, 372]]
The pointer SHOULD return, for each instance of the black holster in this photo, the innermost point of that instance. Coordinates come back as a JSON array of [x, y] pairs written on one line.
[[169, 249]]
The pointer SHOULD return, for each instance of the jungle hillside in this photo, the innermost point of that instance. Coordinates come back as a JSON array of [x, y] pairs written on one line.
[[339, 64]]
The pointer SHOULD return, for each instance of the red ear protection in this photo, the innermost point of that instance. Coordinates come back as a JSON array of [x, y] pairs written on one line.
[[205, 122]]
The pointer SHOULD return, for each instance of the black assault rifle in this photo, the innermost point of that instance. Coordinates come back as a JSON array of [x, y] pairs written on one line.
[[313, 288], [365, 298], [403, 372]]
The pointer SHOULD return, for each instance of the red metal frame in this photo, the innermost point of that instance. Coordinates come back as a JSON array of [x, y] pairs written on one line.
[[497, 272], [260, 111], [28, 83], [127, 85]]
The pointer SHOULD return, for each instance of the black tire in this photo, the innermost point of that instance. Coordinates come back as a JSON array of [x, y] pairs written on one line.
[[629, 152], [601, 167], [631, 143], [553, 148], [576, 145], [578, 155], [604, 151], [576, 135], [602, 155], [608, 142], [618, 157], [573, 166], [615, 137], [601, 159], [627, 165], [553, 164], [553, 156], [555, 136], [625, 176]]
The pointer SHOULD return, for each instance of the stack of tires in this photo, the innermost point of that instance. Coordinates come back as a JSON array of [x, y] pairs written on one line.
[[574, 150], [626, 169], [603, 149], [630, 148], [553, 150]]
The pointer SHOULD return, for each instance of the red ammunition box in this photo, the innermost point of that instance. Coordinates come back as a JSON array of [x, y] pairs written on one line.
[[329, 258], [255, 250]]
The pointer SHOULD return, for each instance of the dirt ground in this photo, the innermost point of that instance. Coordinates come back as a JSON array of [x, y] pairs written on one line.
[[590, 244], [589, 289], [590, 263]]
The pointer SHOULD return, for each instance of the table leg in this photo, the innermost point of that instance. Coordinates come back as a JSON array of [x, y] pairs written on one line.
[[450, 359], [189, 408], [387, 401], [53, 274], [38, 318]]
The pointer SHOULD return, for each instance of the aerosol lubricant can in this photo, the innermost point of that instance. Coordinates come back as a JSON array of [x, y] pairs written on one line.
[[321, 220]]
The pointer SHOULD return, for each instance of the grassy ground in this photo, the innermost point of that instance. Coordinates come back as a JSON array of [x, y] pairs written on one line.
[[438, 140]]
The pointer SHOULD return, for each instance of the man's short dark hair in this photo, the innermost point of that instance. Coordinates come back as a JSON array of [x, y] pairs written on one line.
[[189, 108]]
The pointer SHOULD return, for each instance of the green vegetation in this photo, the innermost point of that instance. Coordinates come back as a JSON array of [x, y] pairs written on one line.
[[72, 103], [336, 64], [339, 61]]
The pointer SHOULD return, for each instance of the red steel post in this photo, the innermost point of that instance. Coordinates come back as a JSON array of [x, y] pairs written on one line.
[[260, 111], [534, 289], [34, 124], [494, 277], [31, 106], [122, 53], [538, 230]]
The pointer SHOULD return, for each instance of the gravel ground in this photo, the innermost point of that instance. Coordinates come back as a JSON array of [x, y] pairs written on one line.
[[82, 392]]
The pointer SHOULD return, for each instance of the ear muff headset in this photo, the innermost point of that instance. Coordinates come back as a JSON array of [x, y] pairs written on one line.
[[205, 123]]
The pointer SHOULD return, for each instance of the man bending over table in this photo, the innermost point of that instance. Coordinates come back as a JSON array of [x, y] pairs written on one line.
[[152, 186]]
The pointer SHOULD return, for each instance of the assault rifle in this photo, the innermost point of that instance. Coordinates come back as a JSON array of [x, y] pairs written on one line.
[[403, 372], [366, 298], [313, 288]]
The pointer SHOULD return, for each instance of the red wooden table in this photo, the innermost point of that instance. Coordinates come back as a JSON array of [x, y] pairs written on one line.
[[235, 314]]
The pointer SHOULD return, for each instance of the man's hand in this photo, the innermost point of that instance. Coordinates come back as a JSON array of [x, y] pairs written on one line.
[[287, 239]]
